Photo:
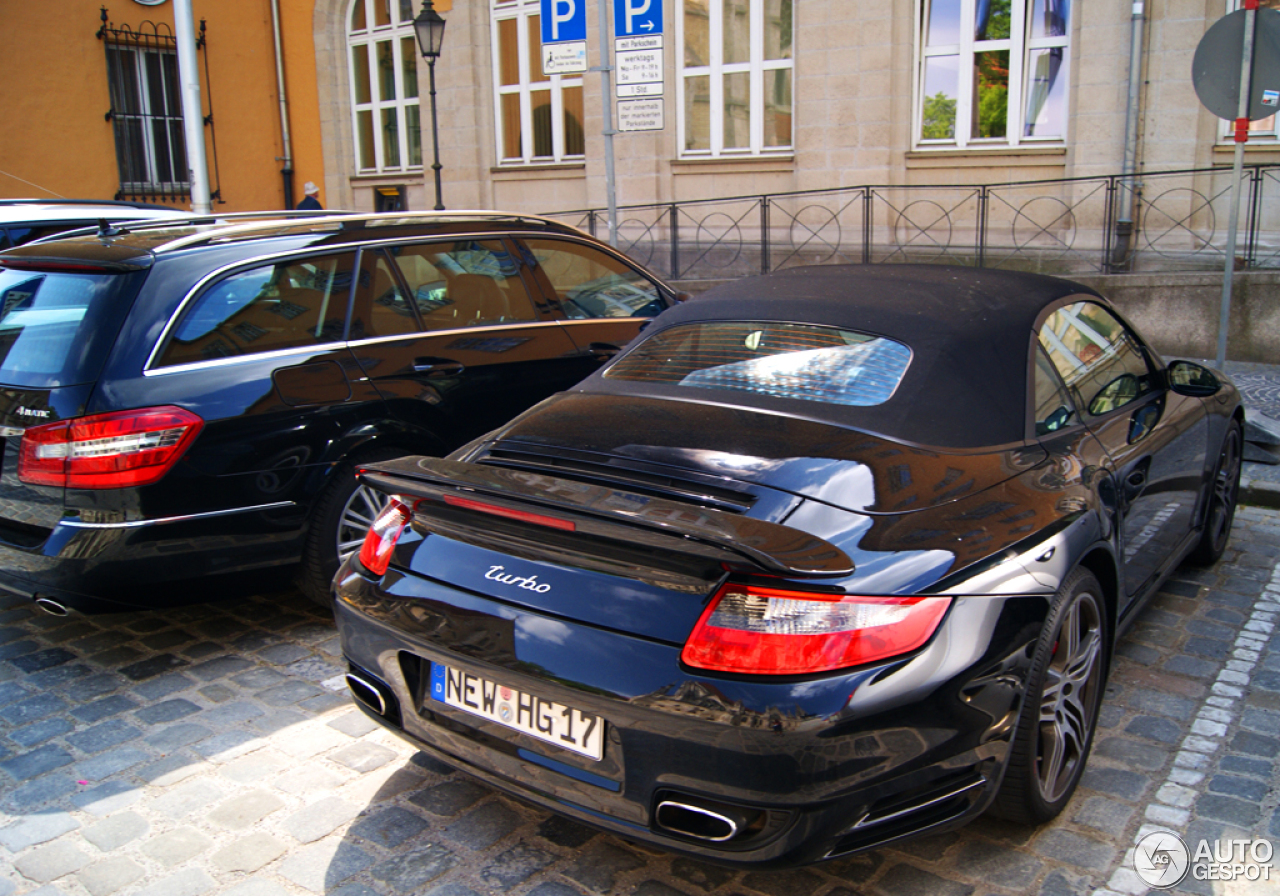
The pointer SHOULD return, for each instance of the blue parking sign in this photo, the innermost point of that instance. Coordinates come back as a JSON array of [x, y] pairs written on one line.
[[563, 20], [637, 18]]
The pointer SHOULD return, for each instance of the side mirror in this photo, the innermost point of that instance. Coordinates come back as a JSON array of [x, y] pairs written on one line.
[[1187, 378]]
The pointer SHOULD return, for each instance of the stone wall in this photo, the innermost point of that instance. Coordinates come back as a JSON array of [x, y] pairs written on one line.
[[1178, 313]]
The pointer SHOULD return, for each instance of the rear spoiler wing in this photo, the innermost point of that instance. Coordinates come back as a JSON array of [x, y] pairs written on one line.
[[614, 514]]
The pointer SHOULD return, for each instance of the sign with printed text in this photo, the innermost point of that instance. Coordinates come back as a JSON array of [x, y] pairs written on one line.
[[626, 91], [640, 115], [637, 17], [567, 58], [638, 59], [564, 36], [638, 66]]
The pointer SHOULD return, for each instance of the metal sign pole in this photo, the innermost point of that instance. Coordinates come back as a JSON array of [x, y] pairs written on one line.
[[606, 96], [1237, 171]]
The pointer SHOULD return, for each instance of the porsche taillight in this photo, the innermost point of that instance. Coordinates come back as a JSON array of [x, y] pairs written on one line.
[[380, 541], [768, 631], [524, 516], [123, 448]]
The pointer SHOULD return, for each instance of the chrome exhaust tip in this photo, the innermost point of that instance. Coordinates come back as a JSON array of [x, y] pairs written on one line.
[[695, 822], [367, 693], [51, 606]]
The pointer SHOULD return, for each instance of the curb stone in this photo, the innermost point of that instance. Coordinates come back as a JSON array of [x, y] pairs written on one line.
[[1259, 493]]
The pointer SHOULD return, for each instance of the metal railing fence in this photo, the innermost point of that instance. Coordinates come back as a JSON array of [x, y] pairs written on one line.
[[1175, 221]]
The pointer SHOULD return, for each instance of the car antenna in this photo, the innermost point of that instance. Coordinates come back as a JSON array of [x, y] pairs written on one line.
[[105, 229]]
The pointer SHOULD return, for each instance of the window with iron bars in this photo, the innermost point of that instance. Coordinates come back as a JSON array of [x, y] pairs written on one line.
[[146, 110]]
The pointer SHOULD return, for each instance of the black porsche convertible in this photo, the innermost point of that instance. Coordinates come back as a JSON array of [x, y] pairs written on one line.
[[825, 559]]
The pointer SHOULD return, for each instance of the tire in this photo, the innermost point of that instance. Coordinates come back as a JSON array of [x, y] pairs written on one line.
[[1060, 709], [341, 517], [1223, 492]]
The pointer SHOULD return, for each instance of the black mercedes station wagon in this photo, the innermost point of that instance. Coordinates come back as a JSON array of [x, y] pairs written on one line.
[[825, 559], [181, 404]]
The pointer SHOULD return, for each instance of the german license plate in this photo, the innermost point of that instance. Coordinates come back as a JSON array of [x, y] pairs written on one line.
[[554, 723]]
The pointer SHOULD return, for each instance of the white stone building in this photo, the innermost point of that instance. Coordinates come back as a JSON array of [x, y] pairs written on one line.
[[773, 96], [1056, 135]]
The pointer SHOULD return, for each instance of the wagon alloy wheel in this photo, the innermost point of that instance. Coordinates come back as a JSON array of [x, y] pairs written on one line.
[[1068, 704], [1221, 512], [358, 514], [1060, 711], [339, 520]]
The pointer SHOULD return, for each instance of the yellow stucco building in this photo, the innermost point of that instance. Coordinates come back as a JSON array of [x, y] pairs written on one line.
[[92, 110]]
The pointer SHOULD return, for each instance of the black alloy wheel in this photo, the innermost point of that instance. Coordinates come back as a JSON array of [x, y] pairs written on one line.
[[1225, 490], [1060, 711]]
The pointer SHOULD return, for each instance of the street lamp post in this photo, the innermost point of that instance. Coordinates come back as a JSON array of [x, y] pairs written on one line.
[[430, 28]]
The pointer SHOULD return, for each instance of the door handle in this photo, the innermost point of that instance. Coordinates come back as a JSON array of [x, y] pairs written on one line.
[[1142, 422], [602, 351], [435, 368], [1134, 483]]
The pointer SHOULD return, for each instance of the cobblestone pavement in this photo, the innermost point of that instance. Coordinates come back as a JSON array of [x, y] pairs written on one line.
[[1261, 390], [210, 750], [1259, 386]]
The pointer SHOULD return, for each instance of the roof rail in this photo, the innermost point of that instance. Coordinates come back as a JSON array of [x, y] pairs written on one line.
[[280, 224], [190, 220]]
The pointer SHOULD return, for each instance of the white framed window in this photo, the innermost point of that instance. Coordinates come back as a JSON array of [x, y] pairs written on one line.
[[736, 85], [383, 57], [1264, 129], [992, 72], [539, 117]]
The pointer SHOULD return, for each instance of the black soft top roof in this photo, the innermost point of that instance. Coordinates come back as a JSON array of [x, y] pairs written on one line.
[[969, 331]]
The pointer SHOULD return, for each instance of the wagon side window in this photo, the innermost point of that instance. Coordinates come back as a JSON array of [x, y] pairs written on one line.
[[588, 283], [292, 303], [467, 283]]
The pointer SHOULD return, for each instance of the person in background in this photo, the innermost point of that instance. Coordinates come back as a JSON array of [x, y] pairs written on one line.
[[311, 202]]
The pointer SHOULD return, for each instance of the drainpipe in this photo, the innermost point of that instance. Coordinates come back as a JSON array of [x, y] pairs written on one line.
[[1120, 258], [287, 171]]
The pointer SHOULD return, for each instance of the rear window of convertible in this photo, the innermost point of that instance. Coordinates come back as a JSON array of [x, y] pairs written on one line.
[[782, 360]]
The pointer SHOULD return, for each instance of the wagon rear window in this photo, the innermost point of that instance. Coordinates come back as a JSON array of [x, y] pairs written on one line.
[[781, 360], [56, 326]]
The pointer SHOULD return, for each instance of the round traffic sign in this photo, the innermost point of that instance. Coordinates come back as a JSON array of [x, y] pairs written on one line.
[[1215, 70]]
